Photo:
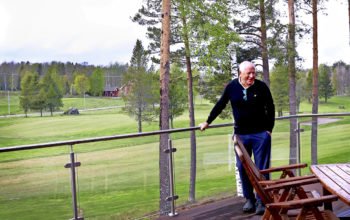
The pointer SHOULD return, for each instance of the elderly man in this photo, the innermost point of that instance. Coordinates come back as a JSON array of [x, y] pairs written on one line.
[[254, 118]]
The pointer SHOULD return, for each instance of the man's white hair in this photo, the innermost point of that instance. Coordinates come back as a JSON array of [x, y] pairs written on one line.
[[244, 65]]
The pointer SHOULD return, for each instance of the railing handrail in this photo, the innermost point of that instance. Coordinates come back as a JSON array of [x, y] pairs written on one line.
[[312, 115], [143, 134], [104, 138]]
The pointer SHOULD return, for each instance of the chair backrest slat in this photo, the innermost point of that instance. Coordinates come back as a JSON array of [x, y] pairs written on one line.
[[252, 172]]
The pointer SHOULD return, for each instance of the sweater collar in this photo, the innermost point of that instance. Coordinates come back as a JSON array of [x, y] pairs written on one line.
[[245, 87]]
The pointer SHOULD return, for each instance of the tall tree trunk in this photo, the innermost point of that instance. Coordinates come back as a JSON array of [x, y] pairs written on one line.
[[265, 58], [314, 83], [292, 84], [192, 189], [139, 119], [172, 122], [185, 32], [164, 206]]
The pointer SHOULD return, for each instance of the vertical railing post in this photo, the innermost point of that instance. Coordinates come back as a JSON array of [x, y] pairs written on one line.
[[172, 196], [72, 166], [298, 145]]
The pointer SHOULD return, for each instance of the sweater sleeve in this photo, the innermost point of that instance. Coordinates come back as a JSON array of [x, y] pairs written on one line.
[[219, 106], [270, 110]]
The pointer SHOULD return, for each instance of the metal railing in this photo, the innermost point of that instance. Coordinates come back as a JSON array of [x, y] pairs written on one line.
[[105, 138], [73, 164]]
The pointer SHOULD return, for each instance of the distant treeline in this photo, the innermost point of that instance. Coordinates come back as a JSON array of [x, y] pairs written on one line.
[[11, 72]]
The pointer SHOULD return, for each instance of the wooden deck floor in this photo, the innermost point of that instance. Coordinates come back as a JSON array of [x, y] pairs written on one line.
[[231, 209]]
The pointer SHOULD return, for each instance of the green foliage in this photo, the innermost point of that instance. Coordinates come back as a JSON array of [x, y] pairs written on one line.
[[52, 84], [247, 22], [67, 82], [53, 99], [14, 71], [40, 100], [97, 82], [54, 75], [81, 84], [148, 15], [140, 97], [204, 29], [214, 36], [139, 57], [177, 93], [212, 86], [280, 88], [29, 86], [308, 87], [325, 84]]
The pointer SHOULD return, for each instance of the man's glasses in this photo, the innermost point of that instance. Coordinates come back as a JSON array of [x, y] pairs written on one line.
[[245, 95]]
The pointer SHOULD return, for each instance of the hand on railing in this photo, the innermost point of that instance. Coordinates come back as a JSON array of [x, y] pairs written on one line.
[[203, 126]]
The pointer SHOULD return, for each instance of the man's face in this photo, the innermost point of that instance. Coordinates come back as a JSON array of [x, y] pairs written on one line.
[[247, 76]]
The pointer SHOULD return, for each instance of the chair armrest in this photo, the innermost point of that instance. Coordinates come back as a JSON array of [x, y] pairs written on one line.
[[291, 184], [289, 179], [295, 204], [283, 168]]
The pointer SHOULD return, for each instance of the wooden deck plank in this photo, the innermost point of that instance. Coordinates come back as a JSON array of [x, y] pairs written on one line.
[[231, 209]]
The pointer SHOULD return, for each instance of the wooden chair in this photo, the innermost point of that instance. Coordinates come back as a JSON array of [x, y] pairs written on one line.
[[278, 207], [287, 175], [287, 171]]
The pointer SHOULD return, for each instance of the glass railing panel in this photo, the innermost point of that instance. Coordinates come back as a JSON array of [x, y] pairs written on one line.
[[118, 181], [215, 166], [35, 185], [332, 143], [280, 152]]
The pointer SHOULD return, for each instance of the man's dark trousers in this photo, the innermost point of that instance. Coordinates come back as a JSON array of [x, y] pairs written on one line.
[[260, 145]]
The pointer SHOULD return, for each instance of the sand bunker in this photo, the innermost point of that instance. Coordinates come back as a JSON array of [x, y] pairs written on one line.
[[322, 121]]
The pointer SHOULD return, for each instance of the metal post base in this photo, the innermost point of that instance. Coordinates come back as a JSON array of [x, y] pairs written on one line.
[[79, 218], [172, 214]]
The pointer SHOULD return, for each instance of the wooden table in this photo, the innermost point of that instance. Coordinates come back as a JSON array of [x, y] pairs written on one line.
[[335, 179]]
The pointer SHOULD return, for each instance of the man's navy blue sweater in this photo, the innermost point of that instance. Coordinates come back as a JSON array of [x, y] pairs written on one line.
[[253, 112]]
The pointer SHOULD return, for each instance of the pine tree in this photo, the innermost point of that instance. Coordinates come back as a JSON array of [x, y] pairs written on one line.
[[140, 100], [29, 85], [53, 86], [279, 88], [325, 83], [97, 82], [40, 100], [177, 93]]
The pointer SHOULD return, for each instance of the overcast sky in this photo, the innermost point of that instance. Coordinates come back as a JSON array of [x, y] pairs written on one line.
[[100, 31]]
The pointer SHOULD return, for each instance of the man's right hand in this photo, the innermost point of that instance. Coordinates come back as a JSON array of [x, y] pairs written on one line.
[[203, 126]]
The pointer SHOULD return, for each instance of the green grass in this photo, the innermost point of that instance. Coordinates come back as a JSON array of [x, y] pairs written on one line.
[[334, 104], [119, 179], [9, 103]]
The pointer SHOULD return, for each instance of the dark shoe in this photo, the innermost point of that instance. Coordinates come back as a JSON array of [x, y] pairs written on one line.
[[260, 208], [249, 206]]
